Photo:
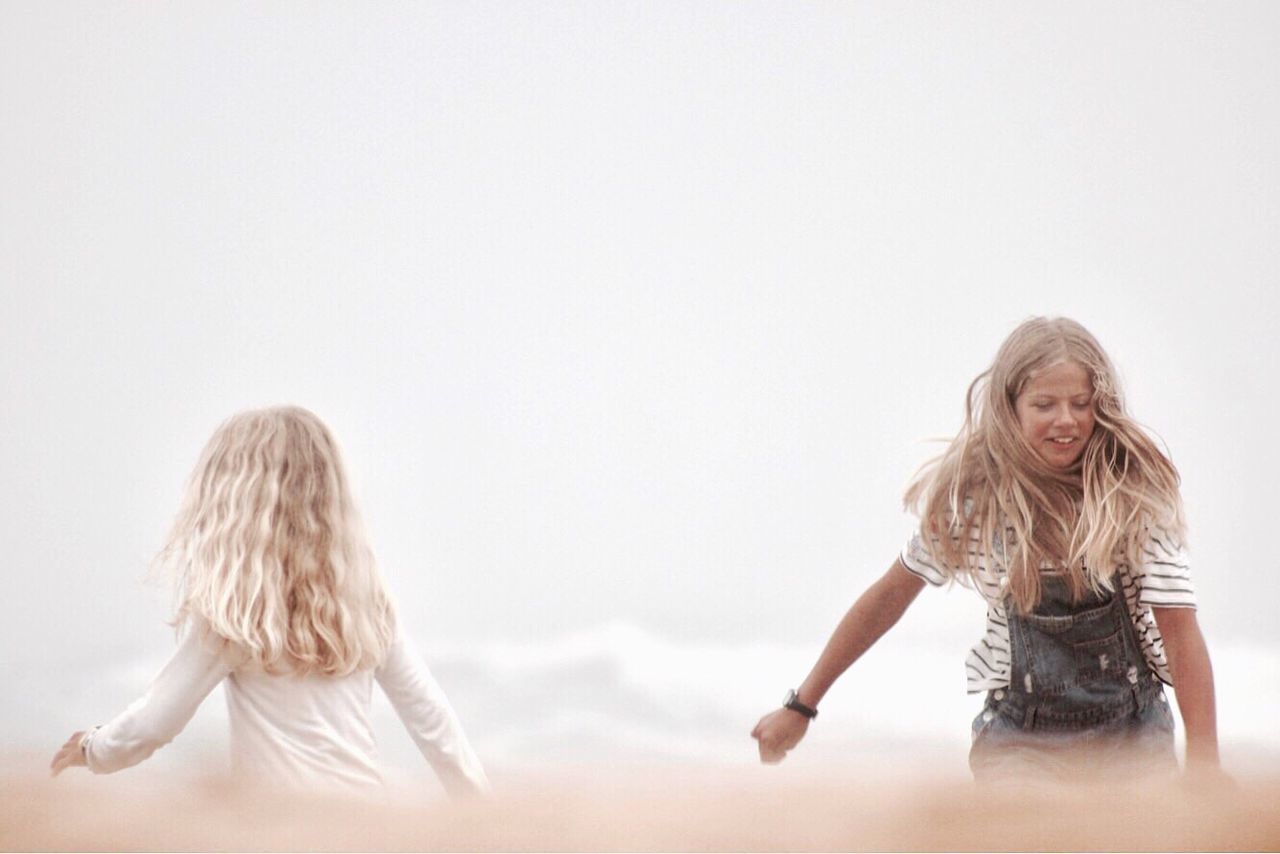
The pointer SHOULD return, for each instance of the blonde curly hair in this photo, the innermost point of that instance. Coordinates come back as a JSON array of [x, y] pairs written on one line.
[[270, 552]]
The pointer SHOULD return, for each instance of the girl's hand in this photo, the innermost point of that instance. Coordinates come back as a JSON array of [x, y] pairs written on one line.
[[1207, 776], [778, 732], [70, 754]]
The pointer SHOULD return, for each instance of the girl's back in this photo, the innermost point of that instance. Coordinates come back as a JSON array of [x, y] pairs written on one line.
[[301, 730]]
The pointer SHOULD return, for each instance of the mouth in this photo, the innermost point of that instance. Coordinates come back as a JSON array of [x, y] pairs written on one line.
[[1063, 441]]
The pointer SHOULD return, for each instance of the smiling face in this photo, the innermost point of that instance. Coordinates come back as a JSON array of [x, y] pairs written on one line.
[[1055, 413]]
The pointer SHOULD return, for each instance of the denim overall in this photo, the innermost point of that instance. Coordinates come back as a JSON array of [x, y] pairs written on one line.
[[1081, 698]]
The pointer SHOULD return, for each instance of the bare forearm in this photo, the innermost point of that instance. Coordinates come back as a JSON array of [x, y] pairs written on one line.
[[869, 618], [873, 614], [1192, 681]]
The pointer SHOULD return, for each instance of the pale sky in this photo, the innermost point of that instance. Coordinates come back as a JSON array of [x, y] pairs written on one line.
[[625, 314]]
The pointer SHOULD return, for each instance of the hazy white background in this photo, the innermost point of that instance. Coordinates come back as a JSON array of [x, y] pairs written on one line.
[[632, 319]]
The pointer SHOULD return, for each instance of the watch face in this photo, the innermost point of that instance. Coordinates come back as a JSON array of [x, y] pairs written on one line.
[[791, 695]]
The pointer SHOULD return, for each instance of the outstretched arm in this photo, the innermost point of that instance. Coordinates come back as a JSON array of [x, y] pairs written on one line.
[[150, 722], [866, 621], [429, 718], [1193, 682]]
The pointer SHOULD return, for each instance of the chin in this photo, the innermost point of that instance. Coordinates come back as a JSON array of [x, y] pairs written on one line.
[[1062, 464]]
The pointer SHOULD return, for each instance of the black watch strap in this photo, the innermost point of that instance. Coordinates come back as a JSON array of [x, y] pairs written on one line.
[[792, 702]]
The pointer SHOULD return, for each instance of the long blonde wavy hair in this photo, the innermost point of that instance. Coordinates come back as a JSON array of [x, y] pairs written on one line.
[[270, 553], [989, 485]]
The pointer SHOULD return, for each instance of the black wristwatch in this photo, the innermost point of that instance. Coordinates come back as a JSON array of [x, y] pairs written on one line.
[[792, 702]]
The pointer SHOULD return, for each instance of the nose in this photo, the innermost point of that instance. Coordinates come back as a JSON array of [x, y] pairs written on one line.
[[1064, 417]]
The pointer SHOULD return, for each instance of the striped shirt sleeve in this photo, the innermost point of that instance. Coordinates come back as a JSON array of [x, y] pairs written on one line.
[[1164, 576], [919, 561]]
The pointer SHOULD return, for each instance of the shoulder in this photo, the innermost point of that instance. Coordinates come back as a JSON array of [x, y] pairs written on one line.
[[1161, 543], [1163, 570], [919, 561], [199, 640], [1161, 551], [927, 555]]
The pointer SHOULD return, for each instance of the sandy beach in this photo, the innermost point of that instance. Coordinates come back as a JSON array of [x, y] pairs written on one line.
[[666, 809]]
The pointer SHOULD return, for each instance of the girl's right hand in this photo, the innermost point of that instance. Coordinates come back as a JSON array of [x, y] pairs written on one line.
[[778, 732]]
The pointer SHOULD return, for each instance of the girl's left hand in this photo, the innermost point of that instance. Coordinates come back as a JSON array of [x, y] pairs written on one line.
[[70, 754]]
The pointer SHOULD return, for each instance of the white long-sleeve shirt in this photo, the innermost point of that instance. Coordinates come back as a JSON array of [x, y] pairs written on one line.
[[297, 731]]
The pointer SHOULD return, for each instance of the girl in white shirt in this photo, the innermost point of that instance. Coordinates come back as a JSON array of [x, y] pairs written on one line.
[[280, 599], [1065, 516]]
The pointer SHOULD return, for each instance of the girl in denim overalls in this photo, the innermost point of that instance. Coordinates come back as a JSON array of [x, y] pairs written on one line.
[[1056, 507]]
